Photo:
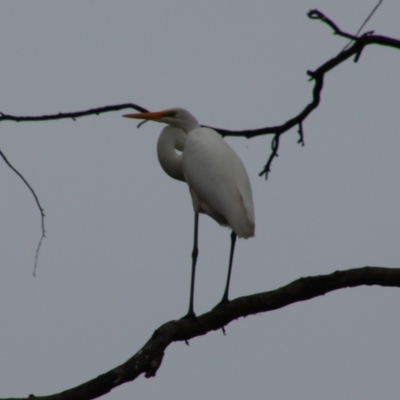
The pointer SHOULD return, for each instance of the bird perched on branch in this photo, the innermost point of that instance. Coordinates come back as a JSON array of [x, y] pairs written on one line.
[[217, 179]]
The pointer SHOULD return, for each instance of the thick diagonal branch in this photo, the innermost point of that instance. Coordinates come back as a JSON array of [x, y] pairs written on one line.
[[148, 359]]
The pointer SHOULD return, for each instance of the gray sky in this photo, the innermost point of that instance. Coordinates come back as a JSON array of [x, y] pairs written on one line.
[[116, 261]]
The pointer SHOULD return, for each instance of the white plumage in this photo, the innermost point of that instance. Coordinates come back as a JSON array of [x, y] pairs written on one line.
[[217, 179], [216, 176]]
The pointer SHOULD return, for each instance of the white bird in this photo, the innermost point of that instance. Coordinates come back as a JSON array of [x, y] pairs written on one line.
[[217, 179]]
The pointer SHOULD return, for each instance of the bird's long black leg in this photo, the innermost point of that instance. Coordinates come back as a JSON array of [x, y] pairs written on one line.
[[225, 296], [195, 252]]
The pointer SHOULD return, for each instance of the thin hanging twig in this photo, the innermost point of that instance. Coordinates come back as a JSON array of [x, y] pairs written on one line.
[[42, 215]]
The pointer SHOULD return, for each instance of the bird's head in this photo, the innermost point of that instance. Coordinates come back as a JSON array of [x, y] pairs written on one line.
[[177, 117]]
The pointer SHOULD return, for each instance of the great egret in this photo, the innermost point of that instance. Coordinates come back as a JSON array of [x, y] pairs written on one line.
[[217, 179]]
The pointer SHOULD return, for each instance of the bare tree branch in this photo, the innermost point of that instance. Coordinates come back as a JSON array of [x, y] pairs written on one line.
[[72, 115], [42, 215], [317, 76], [274, 153], [148, 359]]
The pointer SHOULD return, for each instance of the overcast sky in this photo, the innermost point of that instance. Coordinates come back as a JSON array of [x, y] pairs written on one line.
[[116, 261]]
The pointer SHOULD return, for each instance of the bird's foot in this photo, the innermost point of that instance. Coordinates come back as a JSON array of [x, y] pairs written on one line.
[[189, 315], [222, 303]]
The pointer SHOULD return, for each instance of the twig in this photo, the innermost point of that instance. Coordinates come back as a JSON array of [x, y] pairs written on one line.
[[72, 115], [364, 23], [42, 215], [318, 15], [301, 134], [274, 154]]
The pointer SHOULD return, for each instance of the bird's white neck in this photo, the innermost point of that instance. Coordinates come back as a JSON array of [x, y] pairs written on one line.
[[170, 140], [187, 122]]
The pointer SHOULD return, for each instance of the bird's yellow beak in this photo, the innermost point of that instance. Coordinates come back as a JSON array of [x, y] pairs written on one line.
[[147, 115]]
